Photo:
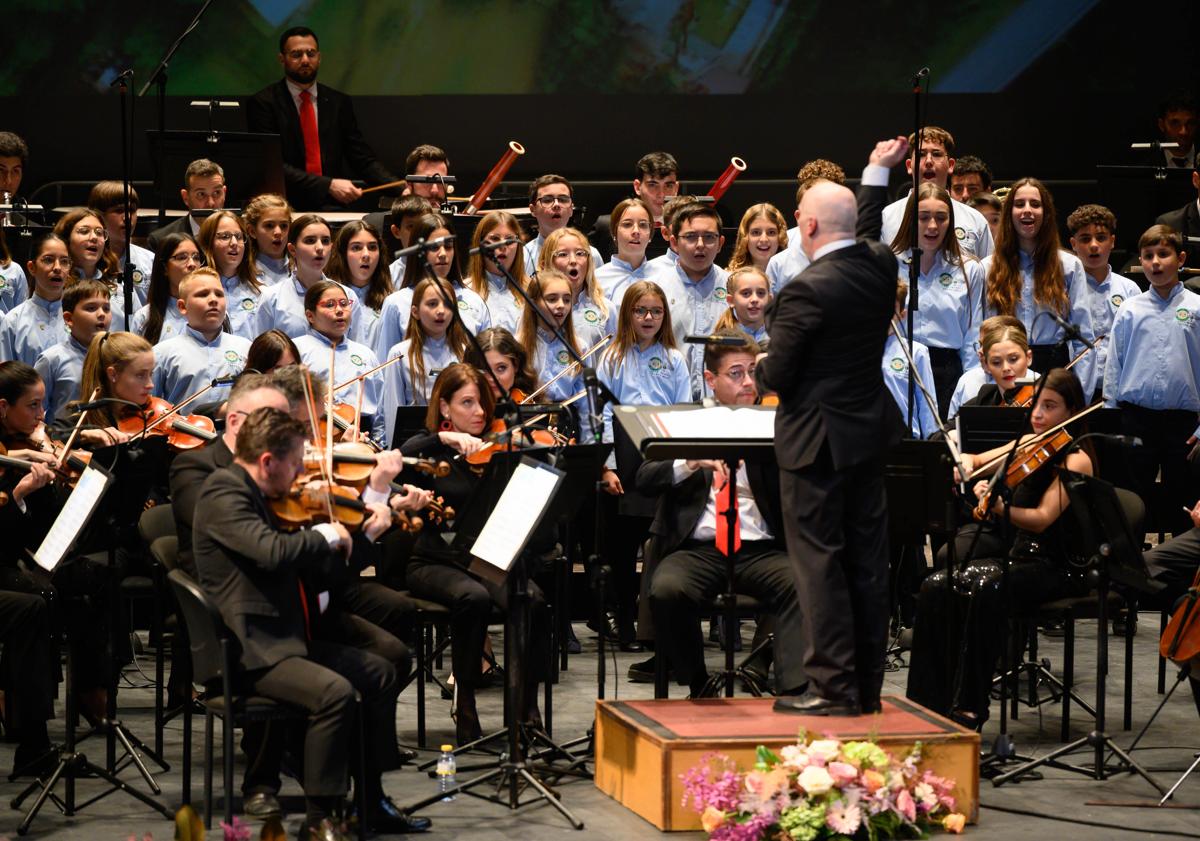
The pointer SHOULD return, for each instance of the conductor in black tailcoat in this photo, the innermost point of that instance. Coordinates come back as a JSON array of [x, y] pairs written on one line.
[[317, 170], [834, 424]]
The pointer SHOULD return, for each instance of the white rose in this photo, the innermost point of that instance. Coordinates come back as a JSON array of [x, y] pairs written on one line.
[[825, 750], [815, 780]]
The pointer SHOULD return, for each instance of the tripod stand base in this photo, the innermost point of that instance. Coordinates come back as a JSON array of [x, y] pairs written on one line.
[[1096, 741]]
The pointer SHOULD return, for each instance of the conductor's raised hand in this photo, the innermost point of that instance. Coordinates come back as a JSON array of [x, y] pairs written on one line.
[[889, 153]]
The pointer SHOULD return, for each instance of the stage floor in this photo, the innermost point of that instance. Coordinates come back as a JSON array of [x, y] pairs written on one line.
[[1168, 749]]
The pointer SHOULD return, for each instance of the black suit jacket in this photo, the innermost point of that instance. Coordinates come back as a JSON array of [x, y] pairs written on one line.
[[251, 569], [189, 470], [680, 506], [345, 153], [1186, 220], [178, 226], [827, 332]]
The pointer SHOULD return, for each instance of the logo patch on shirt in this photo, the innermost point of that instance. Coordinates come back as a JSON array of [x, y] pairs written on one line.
[[719, 293], [655, 364], [138, 277], [897, 364], [356, 359], [4, 283], [563, 357], [1117, 300], [463, 305], [247, 304], [946, 279], [232, 356], [1185, 316], [961, 233], [591, 316]]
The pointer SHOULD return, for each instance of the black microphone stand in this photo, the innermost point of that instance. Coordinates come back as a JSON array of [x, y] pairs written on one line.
[[122, 82], [159, 78], [914, 265]]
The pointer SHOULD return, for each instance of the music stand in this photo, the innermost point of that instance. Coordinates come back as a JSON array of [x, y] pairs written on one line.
[[1114, 554], [253, 162], [983, 428], [497, 540], [410, 421], [1140, 194]]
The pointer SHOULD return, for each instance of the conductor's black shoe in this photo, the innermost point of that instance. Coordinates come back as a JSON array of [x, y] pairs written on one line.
[[385, 818], [261, 804], [1125, 624], [812, 704], [642, 671]]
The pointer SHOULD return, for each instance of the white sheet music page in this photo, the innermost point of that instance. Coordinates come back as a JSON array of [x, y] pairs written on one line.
[[719, 422], [525, 497], [72, 519]]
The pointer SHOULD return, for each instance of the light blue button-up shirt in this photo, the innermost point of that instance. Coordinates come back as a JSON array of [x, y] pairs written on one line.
[[1104, 299], [503, 305], [272, 271], [143, 266], [786, 265], [368, 318], [695, 308], [533, 250], [282, 307], [241, 307], [1046, 331], [895, 376], [29, 328], [397, 269], [590, 324], [949, 305], [970, 226], [398, 386], [651, 377], [351, 359], [188, 362], [397, 309], [616, 274], [1154, 352], [14, 288], [61, 369], [173, 324]]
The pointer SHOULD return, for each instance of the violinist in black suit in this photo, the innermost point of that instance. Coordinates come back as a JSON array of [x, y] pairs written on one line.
[[321, 143], [253, 573], [692, 570], [833, 426]]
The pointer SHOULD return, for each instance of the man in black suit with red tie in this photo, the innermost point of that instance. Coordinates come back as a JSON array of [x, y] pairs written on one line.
[[322, 145], [834, 424]]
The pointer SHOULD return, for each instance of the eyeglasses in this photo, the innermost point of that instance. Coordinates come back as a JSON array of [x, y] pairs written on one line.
[[654, 312], [335, 304], [578, 254], [547, 201], [50, 261], [692, 237], [226, 236], [739, 374], [87, 232], [186, 257]]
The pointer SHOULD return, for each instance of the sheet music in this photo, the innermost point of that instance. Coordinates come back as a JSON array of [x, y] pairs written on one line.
[[718, 422], [512, 521], [73, 518]]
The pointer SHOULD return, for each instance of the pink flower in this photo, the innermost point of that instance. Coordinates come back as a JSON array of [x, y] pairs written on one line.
[[927, 798], [954, 823], [711, 819], [842, 772], [843, 818], [824, 750], [795, 757], [905, 806], [815, 780]]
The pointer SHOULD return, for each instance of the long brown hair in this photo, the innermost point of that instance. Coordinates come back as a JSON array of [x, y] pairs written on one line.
[[414, 267], [456, 337], [501, 341], [247, 270], [476, 271], [949, 244], [1004, 277], [253, 213], [109, 263], [453, 377], [528, 334], [614, 354], [379, 285]]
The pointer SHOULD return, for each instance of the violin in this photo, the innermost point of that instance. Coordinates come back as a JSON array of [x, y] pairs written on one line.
[[1029, 458], [158, 417], [71, 466], [345, 424], [520, 439], [310, 502], [1180, 641], [353, 462]]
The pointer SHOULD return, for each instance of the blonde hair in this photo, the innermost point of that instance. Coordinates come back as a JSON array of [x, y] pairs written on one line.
[[247, 270], [107, 350], [203, 271], [728, 319], [476, 271], [741, 248], [590, 284], [614, 355]]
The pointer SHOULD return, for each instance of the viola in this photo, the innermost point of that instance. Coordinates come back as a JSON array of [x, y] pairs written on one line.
[[1180, 641], [1029, 458], [159, 417]]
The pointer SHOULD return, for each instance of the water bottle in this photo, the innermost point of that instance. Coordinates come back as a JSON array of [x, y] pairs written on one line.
[[446, 769]]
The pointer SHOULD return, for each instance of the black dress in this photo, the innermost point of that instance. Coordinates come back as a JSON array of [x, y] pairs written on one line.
[[1038, 571]]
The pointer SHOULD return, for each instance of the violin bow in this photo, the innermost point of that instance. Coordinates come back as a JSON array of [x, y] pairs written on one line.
[[310, 401], [570, 368], [358, 411], [62, 457], [982, 469], [369, 372]]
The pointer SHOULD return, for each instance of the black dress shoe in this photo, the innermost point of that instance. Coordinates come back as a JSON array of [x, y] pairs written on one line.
[[642, 671], [385, 817], [631, 647], [405, 755], [326, 830], [261, 804], [813, 704]]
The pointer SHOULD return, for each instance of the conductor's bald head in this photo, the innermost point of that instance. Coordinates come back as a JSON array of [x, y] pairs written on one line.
[[827, 212]]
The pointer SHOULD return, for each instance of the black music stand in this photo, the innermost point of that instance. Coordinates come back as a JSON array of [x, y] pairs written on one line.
[[127, 468], [646, 429], [1114, 554], [505, 562], [410, 421], [983, 428], [253, 162], [1140, 194]]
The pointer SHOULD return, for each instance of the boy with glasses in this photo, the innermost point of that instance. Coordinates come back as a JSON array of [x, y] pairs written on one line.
[[551, 201]]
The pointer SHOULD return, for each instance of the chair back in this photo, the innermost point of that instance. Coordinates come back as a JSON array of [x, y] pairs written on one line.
[[165, 551], [207, 634], [155, 522]]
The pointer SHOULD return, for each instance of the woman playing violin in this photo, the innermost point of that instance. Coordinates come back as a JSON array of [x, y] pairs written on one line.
[[1037, 569], [119, 366], [460, 411]]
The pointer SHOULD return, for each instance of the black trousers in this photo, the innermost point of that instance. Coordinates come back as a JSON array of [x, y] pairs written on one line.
[[622, 536], [470, 600], [380, 605], [976, 610], [28, 672], [837, 537], [1174, 564], [323, 684], [1164, 434], [947, 369], [690, 577]]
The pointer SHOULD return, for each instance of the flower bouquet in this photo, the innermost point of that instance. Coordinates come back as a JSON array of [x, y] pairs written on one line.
[[823, 789]]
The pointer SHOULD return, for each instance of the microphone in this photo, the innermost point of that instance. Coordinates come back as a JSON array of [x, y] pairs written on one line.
[[1071, 331], [715, 339], [425, 245], [228, 379], [431, 179], [919, 75], [488, 247]]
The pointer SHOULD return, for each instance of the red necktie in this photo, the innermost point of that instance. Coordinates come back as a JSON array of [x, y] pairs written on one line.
[[726, 488], [308, 127]]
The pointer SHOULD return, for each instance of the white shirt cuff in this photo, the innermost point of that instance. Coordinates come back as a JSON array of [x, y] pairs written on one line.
[[681, 471], [327, 531], [874, 175], [370, 495]]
